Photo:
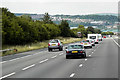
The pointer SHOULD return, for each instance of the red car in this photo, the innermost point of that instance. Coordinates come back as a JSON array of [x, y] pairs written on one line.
[[104, 36]]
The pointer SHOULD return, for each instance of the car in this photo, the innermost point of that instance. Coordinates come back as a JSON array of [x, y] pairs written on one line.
[[86, 43], [92, 41], [104, 36], [55, 44], [75, 50]]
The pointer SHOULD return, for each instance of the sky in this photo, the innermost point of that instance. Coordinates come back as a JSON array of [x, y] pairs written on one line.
[[70, 7]]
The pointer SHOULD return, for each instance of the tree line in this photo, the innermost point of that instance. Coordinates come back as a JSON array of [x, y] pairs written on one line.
[[22, 30], [107, 33]]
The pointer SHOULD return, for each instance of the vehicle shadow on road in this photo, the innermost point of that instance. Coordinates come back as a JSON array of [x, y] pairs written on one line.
[[80, 57], [56, 50]]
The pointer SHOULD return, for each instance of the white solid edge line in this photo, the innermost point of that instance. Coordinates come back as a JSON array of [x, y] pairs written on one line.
[[80, 65], [13, 59], [72, 75], [28, 67], [3, 62], [26, 56], [43, 61], [7, 75], [20, 57], [116, 42], [54, 56]]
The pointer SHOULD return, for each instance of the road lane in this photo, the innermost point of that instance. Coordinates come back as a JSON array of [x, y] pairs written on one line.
[[25, 54], [102, 64], [18, 65]]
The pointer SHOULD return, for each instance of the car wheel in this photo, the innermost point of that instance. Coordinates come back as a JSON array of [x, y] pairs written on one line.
[[49, 49], [60, 49], [84, 56]]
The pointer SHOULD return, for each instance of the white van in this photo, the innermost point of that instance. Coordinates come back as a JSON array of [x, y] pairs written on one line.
[[95, 37], [100, 37]]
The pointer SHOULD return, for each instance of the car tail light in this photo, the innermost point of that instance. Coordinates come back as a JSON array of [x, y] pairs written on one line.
[[81, 43], [67, 51], [89, 42], [97, 39], [81, 51], [48, 44], [92, 41], [58, 44]]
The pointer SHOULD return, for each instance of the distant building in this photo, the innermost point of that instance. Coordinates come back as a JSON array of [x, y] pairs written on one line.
[[73, 27]]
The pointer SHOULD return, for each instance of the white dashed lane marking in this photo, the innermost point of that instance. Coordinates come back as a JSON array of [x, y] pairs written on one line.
[[7, 75], [89, 55], [28, 67], [60, 53], [85, 59], [72, 75], [80, 65], [54, 56], [43, 61]]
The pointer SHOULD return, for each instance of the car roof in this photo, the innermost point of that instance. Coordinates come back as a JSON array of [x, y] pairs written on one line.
[[54, 39]]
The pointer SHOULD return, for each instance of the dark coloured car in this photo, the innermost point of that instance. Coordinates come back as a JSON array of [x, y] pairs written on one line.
[[75, 50]]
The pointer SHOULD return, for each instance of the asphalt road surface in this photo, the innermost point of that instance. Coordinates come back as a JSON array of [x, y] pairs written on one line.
[[101, 62]]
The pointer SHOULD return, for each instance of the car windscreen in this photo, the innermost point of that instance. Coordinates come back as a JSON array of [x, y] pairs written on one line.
[[75, 47], [92, 37], [54, 41]]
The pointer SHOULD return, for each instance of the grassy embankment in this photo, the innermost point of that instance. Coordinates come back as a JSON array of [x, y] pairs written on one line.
[[38, 45]]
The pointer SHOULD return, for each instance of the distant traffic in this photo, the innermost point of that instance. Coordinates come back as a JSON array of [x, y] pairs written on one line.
[[76, 49]]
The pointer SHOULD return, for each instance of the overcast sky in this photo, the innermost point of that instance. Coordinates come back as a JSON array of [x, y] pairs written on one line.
[[73, 7]]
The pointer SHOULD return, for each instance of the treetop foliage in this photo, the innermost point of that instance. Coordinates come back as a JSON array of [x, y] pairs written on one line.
[[22, 30]]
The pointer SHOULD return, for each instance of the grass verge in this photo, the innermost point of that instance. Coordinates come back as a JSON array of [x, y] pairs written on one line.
[[34, 46]]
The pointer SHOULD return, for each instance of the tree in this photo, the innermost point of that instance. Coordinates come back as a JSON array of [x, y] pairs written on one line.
[[90, 30], [65, 29], [46, 19], [97, 31]]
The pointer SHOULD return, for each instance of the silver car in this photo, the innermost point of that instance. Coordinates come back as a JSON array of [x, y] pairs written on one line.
[[86, 43], [92, 41], [55, 44]]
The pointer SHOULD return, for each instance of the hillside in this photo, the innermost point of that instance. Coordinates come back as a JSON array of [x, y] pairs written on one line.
[[102, 19]]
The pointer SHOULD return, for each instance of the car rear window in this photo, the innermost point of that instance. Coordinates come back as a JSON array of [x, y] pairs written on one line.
[[86, 41], [54, 41], [75, 47], [92, 37]]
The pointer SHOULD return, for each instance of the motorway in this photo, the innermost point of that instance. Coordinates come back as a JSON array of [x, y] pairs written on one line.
[[101, 62]]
